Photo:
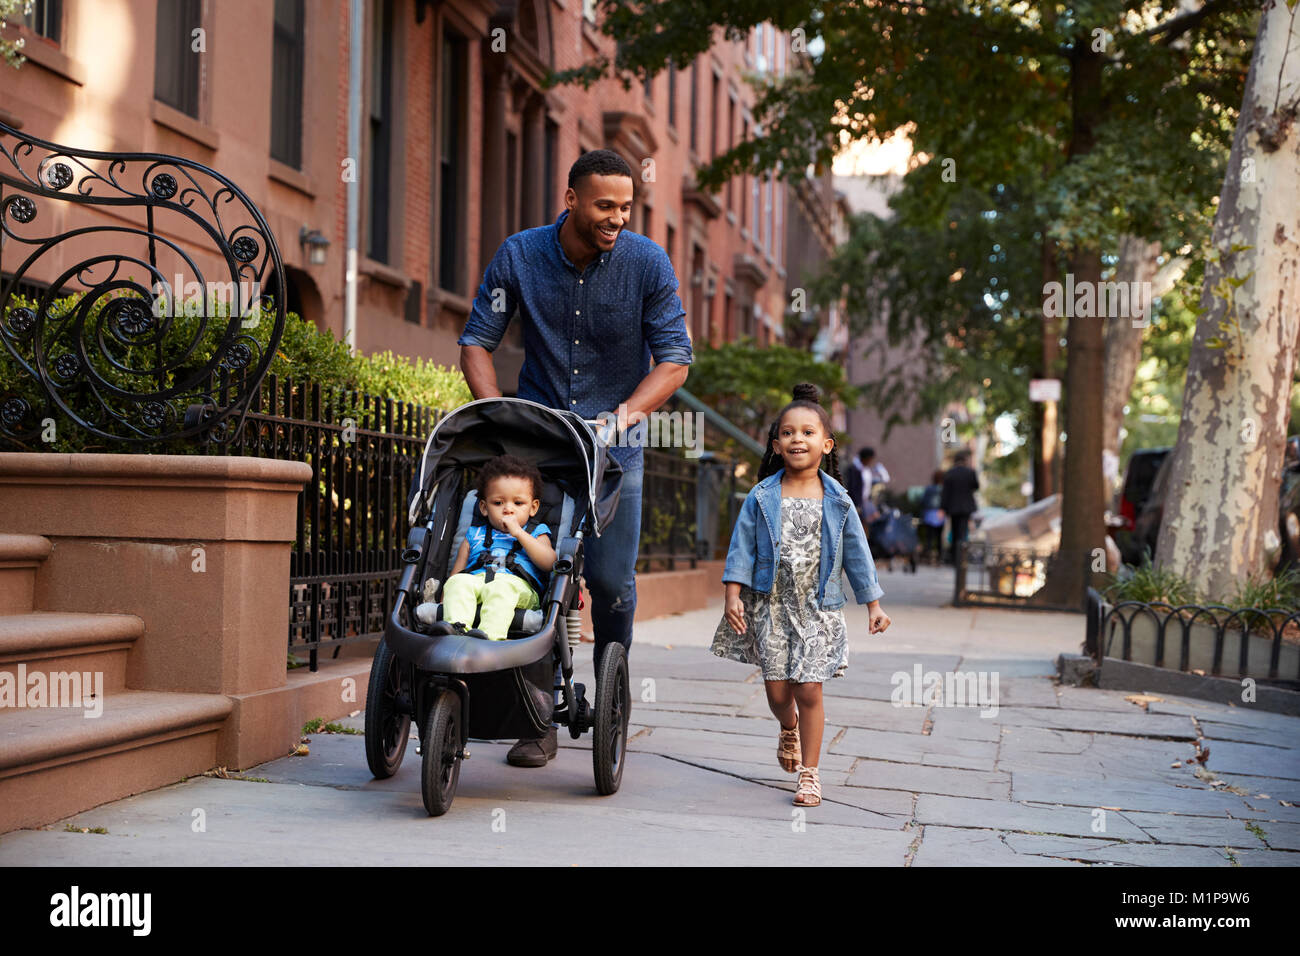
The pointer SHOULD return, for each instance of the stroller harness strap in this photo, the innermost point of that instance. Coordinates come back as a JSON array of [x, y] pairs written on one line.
[[512, 562]]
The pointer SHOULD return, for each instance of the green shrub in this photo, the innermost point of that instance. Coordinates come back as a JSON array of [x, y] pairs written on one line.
[[1262, 591], [305, 356], [1151, 585]]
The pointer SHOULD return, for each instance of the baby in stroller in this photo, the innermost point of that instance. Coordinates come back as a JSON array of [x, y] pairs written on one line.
[[501, 563]]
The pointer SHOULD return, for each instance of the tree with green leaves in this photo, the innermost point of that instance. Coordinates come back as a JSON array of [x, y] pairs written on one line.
[[1104, 113]]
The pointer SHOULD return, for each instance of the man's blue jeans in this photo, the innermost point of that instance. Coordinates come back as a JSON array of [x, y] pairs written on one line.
[[609, 567]]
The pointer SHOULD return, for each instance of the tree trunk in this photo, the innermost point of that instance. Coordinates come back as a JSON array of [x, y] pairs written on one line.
[[1137, 263], [1221, 514], [1083, 527]]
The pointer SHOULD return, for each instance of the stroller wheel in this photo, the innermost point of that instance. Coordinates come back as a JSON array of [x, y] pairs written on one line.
[[441, 746], [613, 708], [387, 727]]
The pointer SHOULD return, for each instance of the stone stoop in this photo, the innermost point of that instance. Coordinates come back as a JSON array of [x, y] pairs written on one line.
[[58, 760]]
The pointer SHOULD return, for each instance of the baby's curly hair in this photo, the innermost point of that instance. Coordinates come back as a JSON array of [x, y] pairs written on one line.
[[508, 466]]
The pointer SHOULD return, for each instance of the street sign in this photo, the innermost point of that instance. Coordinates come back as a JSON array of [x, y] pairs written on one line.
[[1044, 389]]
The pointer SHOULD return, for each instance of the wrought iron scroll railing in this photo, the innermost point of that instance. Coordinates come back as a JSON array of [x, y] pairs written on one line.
[[172, 326]]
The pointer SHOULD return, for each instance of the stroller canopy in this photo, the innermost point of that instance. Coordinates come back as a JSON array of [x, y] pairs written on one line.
[[562, 445]]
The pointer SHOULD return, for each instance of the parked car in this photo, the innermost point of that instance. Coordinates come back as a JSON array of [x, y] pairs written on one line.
[[1146, 529], [1143, 466]]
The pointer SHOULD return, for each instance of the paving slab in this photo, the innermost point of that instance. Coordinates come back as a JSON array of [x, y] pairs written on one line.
[[1199, 830], [1284, 738], [916, 778], [949, 846], [1156, 796], [917, 748], [1254, 760], [1116, 852], [1007, 815], [963, 723], [1028, 692]]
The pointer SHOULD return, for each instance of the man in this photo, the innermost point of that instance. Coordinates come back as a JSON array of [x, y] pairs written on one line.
[[865, 473], [958, 498], [597, 303]]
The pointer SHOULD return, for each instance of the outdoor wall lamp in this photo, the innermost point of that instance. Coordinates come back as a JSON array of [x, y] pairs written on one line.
[[315, 244]]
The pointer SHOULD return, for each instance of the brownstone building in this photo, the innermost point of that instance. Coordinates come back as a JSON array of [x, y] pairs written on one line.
[[461, 145]]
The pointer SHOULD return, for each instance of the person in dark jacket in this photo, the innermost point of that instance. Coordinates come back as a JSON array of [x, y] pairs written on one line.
[[932, 520], [958, 499]]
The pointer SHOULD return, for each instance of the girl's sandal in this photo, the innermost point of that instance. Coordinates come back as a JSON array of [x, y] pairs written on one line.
[[809, 793], [787, 748]]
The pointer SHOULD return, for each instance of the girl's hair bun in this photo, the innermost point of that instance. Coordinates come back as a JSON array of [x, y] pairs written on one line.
[[807, 392]]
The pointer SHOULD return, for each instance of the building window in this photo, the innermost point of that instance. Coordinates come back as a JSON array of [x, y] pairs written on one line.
[[176, 64], [767, 213], [731, 142], [778, 191], [695, 105], [672, 94], [744, 180], [756, 217], [589, 10], [451, 164], [381, 130], [699, 319], [670, 242], [647, 217], [44, 19], [286, 83], [649, 88], [713, 116]]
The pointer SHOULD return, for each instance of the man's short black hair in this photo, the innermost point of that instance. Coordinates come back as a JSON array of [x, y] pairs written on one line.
[[598, 162], [866, 454]]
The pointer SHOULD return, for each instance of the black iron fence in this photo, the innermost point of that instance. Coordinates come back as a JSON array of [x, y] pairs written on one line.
[[1213, 639], [688, 506], [996, 576]]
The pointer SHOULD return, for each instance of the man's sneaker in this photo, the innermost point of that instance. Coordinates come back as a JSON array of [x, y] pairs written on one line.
[[533, 753]]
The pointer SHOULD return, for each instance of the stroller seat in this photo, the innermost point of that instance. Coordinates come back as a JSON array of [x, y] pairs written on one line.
[[557, 511]]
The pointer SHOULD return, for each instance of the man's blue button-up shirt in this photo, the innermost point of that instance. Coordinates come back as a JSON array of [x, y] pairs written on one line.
[[588, 335]]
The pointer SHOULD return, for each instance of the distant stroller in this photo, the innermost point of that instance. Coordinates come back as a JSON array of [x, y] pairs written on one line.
[[425, 670], [892, 534]]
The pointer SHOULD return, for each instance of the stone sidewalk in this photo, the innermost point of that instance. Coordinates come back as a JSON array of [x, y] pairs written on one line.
[[1053, 776]]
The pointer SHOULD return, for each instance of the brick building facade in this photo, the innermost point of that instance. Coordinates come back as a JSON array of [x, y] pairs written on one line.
[[461, 144]]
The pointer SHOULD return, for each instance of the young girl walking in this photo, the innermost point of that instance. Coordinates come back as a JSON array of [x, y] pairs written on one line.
[[797, 530]]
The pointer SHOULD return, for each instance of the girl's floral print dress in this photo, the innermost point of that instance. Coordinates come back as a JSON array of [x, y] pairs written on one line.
[[787, 634]]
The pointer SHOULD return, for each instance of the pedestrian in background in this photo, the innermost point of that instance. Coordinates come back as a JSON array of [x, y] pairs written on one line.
[[865, 473], [932, 519], [958, 499]]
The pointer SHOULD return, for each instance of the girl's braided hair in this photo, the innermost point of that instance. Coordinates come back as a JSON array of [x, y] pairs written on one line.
[[805, 395]]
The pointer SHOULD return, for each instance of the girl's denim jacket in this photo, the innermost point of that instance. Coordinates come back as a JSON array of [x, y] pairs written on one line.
[[756, 541]]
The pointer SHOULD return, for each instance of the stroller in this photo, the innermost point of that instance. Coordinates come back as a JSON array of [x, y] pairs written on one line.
[[892, 535], [425, 670]]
